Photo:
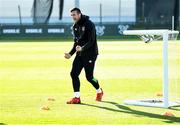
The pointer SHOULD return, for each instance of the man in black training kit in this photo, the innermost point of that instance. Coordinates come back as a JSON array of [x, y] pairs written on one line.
[[85, 46]]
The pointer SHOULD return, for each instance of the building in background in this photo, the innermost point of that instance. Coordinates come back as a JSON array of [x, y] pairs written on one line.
[[157, 13], [118, 11], [111, 18]]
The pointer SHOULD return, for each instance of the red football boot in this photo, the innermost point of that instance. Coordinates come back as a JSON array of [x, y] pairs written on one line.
[[74, 101], [99, 96]]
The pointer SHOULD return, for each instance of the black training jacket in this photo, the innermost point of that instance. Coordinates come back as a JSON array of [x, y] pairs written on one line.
[[85, 36]]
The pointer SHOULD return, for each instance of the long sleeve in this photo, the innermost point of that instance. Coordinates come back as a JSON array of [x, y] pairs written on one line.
[[73, 50], [91, 36]]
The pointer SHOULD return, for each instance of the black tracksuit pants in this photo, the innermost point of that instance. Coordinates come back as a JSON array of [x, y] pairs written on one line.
[[88, 63]]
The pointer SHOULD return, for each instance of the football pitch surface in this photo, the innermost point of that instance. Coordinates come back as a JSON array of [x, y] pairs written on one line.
[[32, 72]]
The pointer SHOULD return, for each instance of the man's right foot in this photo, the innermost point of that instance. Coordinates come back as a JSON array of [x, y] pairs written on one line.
[[74, 100]]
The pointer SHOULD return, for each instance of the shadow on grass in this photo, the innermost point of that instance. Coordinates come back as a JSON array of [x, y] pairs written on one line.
[[2, 124], [125, 109], [174, 108]]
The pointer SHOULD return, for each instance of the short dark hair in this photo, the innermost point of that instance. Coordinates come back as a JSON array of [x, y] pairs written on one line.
[[76, 9]]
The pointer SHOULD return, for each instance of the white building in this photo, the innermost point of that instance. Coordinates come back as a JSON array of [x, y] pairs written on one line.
[[110, 10]]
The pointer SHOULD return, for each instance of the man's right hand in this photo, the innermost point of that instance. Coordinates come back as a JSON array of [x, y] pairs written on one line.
[[67, 55]]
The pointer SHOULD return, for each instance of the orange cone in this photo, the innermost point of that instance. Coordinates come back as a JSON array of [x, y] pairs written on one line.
[[45, 108], [168, 114], [51, 99], [159, 94]]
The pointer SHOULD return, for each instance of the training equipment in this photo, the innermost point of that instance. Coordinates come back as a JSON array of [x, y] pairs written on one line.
[[159, 94], [99, 96], [170, 114], [149, 36], [51, 99], [74, 101], [45, 108]]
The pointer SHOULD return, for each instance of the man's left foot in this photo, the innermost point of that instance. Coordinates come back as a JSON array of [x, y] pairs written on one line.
[[74, 100], [99, 96]]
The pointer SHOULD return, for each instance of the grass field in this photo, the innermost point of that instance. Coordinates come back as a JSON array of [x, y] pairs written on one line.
[[31, 72]]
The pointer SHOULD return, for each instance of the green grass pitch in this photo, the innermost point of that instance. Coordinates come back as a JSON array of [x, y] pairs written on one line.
[[31, 72]]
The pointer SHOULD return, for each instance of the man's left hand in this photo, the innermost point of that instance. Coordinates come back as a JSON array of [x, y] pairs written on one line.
[[78, 48]]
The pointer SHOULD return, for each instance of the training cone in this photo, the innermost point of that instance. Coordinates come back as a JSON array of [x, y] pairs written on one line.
[[168, 114], [45, 108], [51, 99], [159, 94]]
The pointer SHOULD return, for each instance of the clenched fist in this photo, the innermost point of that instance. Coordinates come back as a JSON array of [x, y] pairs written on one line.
[[67, 55], [78, 48]]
